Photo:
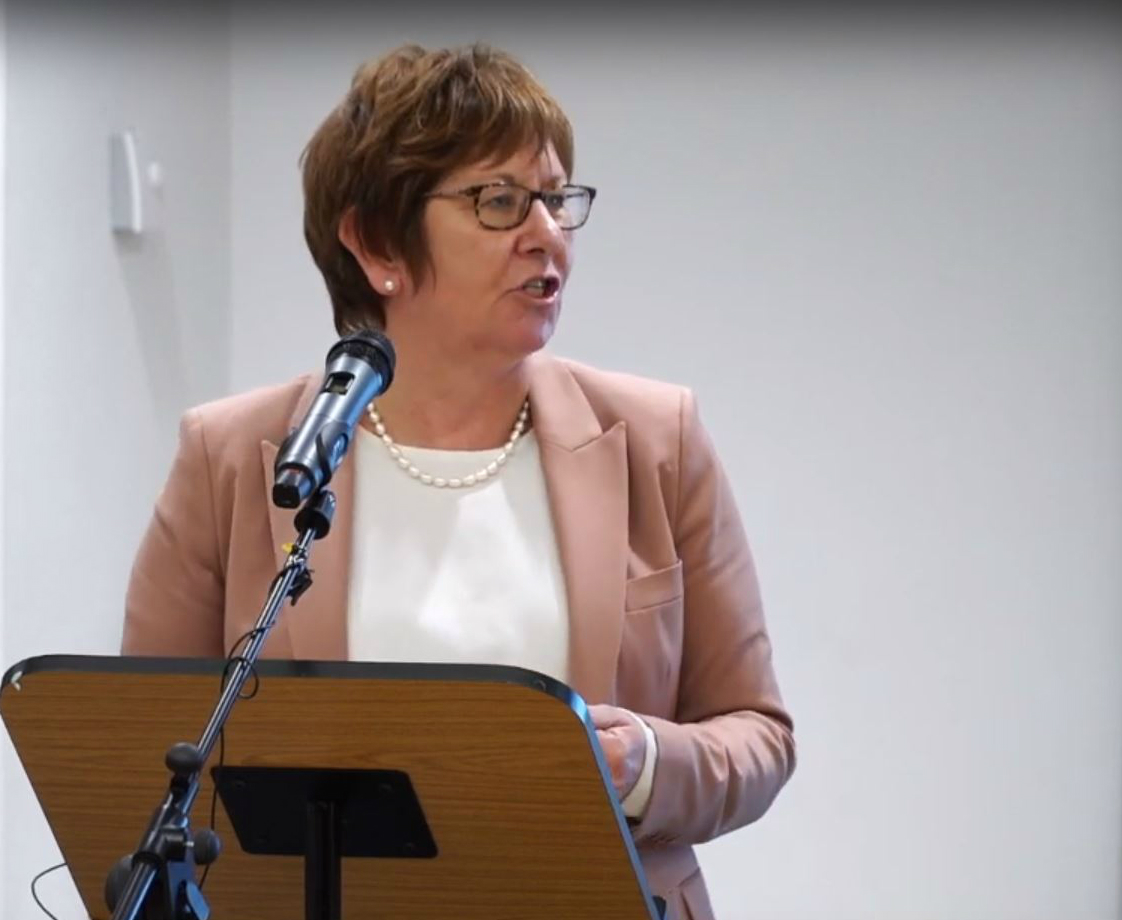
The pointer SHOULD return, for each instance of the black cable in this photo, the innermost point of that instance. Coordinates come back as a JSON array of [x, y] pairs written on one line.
[[35, 895], [231, 660], [214, 799]]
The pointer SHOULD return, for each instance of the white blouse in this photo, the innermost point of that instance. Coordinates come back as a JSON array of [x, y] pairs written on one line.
[[456, 575], [461, 576]]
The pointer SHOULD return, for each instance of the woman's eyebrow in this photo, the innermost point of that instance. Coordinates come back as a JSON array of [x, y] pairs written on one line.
[[509, 179]]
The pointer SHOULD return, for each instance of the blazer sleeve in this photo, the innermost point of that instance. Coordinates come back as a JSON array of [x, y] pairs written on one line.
[[729, 750], [174, 602]]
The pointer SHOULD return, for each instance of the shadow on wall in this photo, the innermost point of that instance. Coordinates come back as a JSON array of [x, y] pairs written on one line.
[[149, 283]]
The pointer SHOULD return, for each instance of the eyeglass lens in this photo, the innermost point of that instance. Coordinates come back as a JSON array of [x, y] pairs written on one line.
[[505, 206]]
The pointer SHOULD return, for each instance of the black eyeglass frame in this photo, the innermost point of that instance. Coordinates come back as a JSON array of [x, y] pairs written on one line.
[[474, 191]]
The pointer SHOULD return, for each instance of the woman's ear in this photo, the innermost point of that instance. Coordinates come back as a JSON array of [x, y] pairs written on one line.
[[383, 274]]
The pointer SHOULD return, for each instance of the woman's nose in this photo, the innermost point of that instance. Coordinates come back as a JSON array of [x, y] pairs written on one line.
[[540, 230]]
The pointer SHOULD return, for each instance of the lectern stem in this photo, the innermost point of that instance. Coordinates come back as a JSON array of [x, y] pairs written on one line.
[[323, 883]]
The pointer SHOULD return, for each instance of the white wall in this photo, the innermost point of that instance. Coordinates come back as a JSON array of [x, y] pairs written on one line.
[[106, 340], [3, 147], [887, 259]]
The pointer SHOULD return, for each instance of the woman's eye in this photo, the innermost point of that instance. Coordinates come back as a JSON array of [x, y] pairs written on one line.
[[501, 201]]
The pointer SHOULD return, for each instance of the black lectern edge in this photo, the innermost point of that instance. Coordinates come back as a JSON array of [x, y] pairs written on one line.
[[273, 667]]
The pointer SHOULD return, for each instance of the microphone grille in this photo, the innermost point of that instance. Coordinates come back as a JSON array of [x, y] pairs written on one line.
[[370, 346]]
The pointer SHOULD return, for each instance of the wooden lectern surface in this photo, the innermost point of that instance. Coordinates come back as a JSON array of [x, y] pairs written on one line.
[[502, 761]]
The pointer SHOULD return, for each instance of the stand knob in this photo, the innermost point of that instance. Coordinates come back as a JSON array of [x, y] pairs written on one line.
[[116, 880], [207, 846], [184, 759]]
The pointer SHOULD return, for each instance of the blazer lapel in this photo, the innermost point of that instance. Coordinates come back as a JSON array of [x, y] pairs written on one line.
[[585, 470], [317, 625], [586, 478]]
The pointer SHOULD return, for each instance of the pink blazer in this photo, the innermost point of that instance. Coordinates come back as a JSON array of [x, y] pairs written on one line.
[[664, 609]]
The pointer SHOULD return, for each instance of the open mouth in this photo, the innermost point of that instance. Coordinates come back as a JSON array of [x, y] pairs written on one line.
[[545, 286]]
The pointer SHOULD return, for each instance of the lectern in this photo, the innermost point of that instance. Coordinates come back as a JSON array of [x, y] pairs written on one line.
[[451, 791]]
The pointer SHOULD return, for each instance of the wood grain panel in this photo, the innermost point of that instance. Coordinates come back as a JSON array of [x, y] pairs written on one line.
[[510, 782]]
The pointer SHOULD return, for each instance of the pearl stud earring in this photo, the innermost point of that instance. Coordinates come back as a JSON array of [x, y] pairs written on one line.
[[389, 285]]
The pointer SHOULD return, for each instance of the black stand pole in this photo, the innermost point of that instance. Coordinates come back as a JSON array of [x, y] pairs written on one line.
[[160, 884], [323, 865]]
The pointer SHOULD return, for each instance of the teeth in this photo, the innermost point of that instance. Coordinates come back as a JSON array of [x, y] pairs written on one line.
[[538, 284]]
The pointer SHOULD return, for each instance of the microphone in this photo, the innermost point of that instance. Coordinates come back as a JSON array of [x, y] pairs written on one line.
[[359, 368]]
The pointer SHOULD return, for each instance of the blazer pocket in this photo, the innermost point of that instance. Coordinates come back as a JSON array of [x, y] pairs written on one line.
[[654, 589]]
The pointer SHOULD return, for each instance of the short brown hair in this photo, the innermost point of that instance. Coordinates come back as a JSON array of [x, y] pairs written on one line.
[[409, 119]]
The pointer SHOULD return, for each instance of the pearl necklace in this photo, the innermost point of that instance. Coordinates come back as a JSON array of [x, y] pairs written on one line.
[[439, 482]]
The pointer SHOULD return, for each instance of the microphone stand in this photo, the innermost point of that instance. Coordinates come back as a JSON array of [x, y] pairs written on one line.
[[158, 881]]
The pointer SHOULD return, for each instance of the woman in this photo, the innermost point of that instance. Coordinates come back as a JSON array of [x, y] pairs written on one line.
[[500, 505]]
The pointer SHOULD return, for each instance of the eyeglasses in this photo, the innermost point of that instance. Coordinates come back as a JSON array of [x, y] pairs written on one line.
[[503, 205]]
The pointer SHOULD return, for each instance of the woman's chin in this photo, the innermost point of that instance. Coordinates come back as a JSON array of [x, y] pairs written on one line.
[[534, 334]]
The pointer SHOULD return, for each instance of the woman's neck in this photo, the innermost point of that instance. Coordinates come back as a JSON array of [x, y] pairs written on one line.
[[451, 405]]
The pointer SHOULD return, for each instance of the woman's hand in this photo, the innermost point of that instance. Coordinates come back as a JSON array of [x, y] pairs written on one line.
[[624, 743]]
